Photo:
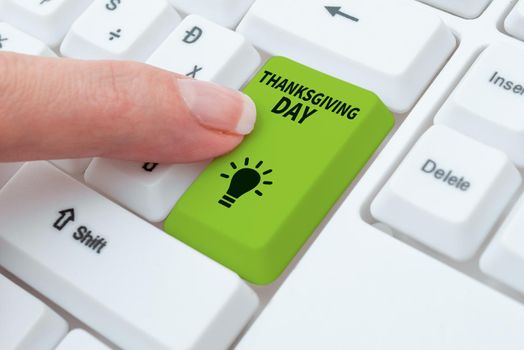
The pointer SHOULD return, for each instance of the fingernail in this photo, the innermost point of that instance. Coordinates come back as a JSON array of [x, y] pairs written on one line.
[[218, 107]]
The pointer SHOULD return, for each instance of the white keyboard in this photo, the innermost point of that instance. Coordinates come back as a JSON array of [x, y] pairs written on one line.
[[425, 250]]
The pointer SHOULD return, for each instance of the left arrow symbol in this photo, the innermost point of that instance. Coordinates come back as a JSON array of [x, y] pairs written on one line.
[[337, 10], [66, 216]]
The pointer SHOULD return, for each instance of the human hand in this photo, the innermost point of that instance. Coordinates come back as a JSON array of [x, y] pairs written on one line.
[[59, 108]]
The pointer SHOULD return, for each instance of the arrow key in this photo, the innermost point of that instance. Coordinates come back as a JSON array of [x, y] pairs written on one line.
[[391, 47]]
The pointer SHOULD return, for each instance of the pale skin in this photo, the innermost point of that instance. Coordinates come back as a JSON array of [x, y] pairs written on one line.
[[53, 108]]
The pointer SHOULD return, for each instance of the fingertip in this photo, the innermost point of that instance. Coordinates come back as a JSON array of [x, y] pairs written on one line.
[[218, 107], [248, 116]]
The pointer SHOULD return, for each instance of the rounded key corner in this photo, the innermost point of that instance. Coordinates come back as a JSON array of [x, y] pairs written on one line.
[[280, 60], [386, 112], [367, 216], [261, 279], [458, 12]]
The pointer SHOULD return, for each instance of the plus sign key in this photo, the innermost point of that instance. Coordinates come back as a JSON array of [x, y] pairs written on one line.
[[203, 50], [253, 209]]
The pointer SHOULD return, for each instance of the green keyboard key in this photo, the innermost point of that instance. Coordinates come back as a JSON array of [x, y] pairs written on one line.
[[252, 209]]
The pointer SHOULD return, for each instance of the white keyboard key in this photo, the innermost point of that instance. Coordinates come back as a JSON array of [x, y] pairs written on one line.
[[47, 20], [7, 170], [463, 8], [14, 40], [73, 166], [504, 257], [115, 29], [360, 289], [448, 192], [488, 102], [224, 12], [149, 189], [126, 279], [203, 50], [25, 322], [81, 340], [514, 23], [387, 46]]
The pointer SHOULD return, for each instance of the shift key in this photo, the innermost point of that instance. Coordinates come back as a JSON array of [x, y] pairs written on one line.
[[253, 209]]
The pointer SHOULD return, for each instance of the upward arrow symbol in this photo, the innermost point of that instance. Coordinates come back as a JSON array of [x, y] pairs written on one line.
[[66, 216], [335, 10]]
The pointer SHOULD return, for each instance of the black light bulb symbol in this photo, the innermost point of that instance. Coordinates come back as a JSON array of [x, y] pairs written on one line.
[[243, 181]]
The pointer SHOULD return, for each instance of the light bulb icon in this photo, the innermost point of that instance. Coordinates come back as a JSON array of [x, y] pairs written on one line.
[[244, 180]]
